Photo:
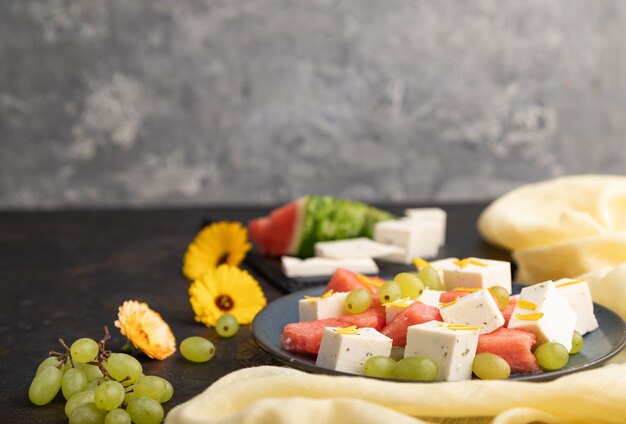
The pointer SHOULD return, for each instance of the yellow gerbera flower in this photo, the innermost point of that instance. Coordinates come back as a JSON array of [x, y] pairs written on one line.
[[145, 329], [217, 244], [226, 289]]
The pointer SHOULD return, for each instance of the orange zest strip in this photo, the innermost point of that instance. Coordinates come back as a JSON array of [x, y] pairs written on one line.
[[570, 283], [420, 263], [326, 295], [370, 283], [525, 304], [536, 316], [454, 326], [462, 263], [467, 289], [347, 330]]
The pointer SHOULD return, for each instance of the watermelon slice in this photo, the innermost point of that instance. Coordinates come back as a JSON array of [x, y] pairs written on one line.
[[306, 336], [417, 313], [294, 228], [513, 345], [508, 311], [450, 295], [374, 318], [344, 280]]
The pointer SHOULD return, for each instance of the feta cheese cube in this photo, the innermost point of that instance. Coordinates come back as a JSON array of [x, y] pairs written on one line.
[[354, 248], [542, 310], [347, 349], [577, 294], [434, 216], [417, 239], [451, 346], [431, 297], [326, 306], [392, 309], [320, 267], [478, 309], [477, 273]]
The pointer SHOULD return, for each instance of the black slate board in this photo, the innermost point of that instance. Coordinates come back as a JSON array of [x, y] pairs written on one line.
[[270, 269]]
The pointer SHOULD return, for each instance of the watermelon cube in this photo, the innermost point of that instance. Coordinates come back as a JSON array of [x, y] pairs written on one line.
[[513, 345], [306, 336], [417, 313], [508, 311], [344, 280], [450, 295], [374, 317]]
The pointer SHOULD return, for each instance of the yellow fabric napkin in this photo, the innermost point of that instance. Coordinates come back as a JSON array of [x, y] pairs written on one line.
[[561, 227], [281, 395]]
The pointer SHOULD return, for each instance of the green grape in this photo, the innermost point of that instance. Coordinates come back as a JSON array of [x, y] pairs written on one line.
[[87, 413], [551, 356], [358, 301], [500, 295], [227, 325], [93, 384], [410, 285], [73, 381], [144, 410], [117, 416], [488, 366], [109, 395], [169, 391], [197, 349], [430, 277], [129, 397], [45, 386], [577, 343], [121, 365], [91, 371], [150, 386], [84, 350], [77, 400], [416, 368], [379, 366], [51, 361], [389, 292]]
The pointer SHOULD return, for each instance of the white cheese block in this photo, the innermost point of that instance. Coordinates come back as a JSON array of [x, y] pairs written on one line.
[[313, 267], [417, 239], [542, 310], [577, 294], [392, 309], [431, 297], [477, 273], [348, 352], [354, 248], [478, 309], [453, 350], [322, 307], [434, 216]]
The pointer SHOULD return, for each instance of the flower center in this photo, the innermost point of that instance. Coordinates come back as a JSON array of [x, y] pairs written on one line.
[[224, 302], [222, 259]]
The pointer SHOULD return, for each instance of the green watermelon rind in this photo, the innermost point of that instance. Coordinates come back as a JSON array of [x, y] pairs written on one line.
[[331, 218]]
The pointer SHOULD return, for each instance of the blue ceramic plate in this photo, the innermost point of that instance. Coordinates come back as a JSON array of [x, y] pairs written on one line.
[[600, 345]]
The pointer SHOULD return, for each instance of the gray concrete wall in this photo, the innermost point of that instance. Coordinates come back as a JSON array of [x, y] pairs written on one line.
[[154, 102]]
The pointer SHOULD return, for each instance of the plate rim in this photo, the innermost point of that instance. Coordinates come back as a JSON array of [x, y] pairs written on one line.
[[298, 363]]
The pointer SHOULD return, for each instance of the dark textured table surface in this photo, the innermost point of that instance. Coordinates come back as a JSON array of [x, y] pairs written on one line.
[[64, 274]]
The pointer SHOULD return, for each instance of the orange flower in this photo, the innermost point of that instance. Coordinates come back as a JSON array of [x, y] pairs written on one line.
[[145, 329]]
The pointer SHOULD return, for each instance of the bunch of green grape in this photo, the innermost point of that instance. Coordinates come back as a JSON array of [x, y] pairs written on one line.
[[100, 386]]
